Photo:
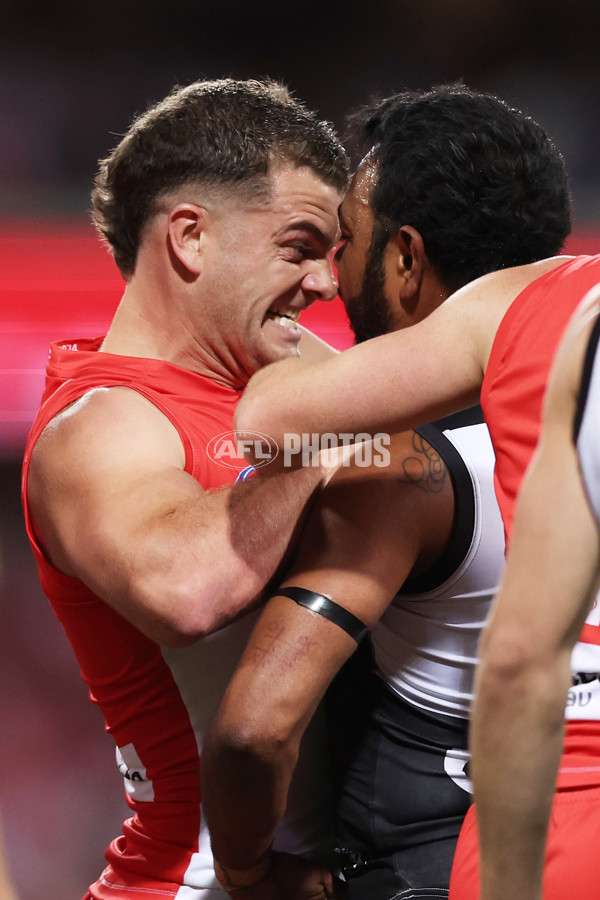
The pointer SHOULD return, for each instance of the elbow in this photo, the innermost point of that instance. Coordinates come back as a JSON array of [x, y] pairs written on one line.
[[177, 612], [250, 741], [506, 660], [519, 689], [175, 623], [256, 726], [505, 656], [514, 664]]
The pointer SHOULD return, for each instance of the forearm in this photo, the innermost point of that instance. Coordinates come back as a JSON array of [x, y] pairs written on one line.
[[244, 798], [516, 741], [252, 746], [350, 392], [202, 561]]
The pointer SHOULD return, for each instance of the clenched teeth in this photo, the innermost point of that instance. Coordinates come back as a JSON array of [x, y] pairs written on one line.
[[288, 318]]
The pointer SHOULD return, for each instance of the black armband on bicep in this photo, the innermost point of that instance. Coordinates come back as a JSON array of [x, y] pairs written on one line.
[[327, 608]]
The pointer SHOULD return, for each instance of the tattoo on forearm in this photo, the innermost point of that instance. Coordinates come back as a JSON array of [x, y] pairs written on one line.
[[274, 646], [426, 468]]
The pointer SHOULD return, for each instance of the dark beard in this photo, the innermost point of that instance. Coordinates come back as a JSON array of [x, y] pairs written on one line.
[[368, 311]]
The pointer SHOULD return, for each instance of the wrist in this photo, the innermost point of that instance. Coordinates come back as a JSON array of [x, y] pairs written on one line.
[[235, 879]]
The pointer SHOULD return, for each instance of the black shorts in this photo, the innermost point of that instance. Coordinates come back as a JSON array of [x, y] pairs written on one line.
[[400, 786]]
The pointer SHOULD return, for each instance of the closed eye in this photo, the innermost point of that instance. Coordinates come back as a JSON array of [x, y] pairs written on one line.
[[297, 252]]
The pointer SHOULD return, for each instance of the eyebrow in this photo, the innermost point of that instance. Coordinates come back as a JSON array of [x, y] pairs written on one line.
[[313, 229]]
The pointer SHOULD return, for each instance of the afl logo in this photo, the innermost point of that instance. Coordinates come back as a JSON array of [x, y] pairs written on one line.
[[228, 449]]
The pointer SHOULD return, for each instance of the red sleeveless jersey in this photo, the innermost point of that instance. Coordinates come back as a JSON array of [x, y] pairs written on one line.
[[156, 701], [512, 398]]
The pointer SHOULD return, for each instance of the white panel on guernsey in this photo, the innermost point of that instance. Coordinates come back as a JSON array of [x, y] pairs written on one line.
[[137, 785]]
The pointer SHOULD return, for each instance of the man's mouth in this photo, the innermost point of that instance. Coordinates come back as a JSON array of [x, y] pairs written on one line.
[[288, 318]]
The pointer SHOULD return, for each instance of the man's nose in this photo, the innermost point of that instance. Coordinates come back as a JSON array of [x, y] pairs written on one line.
[[321, 281]]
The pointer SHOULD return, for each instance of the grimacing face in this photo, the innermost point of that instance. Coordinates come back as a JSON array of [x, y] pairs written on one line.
[[265, 262]]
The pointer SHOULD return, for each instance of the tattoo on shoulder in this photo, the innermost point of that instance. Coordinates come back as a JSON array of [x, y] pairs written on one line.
[[275, 646], [425, 468]]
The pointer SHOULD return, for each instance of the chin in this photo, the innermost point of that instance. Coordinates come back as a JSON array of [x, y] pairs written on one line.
[[273, 355], [292, 353], [285, 349]]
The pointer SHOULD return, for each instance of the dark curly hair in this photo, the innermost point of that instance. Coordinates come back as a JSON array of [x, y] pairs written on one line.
[[223, 134], [482, 182]]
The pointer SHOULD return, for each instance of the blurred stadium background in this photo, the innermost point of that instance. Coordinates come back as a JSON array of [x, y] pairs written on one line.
[[71, 77]]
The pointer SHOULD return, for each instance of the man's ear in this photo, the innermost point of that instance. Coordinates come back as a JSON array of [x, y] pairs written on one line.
[[409, 252], [186, 224]]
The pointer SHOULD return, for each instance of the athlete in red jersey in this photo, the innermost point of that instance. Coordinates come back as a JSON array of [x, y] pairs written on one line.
[[220, 206], [511, 733], [168, 695], [554, 562], [435, 367]]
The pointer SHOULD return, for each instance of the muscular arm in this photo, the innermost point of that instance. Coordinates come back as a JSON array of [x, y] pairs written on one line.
[[368, 531], [384, 384], [396, 381], [389, 383], [524, 676], [112, 505]]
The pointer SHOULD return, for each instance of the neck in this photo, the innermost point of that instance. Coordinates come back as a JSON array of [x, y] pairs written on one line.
[[142, 328]]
